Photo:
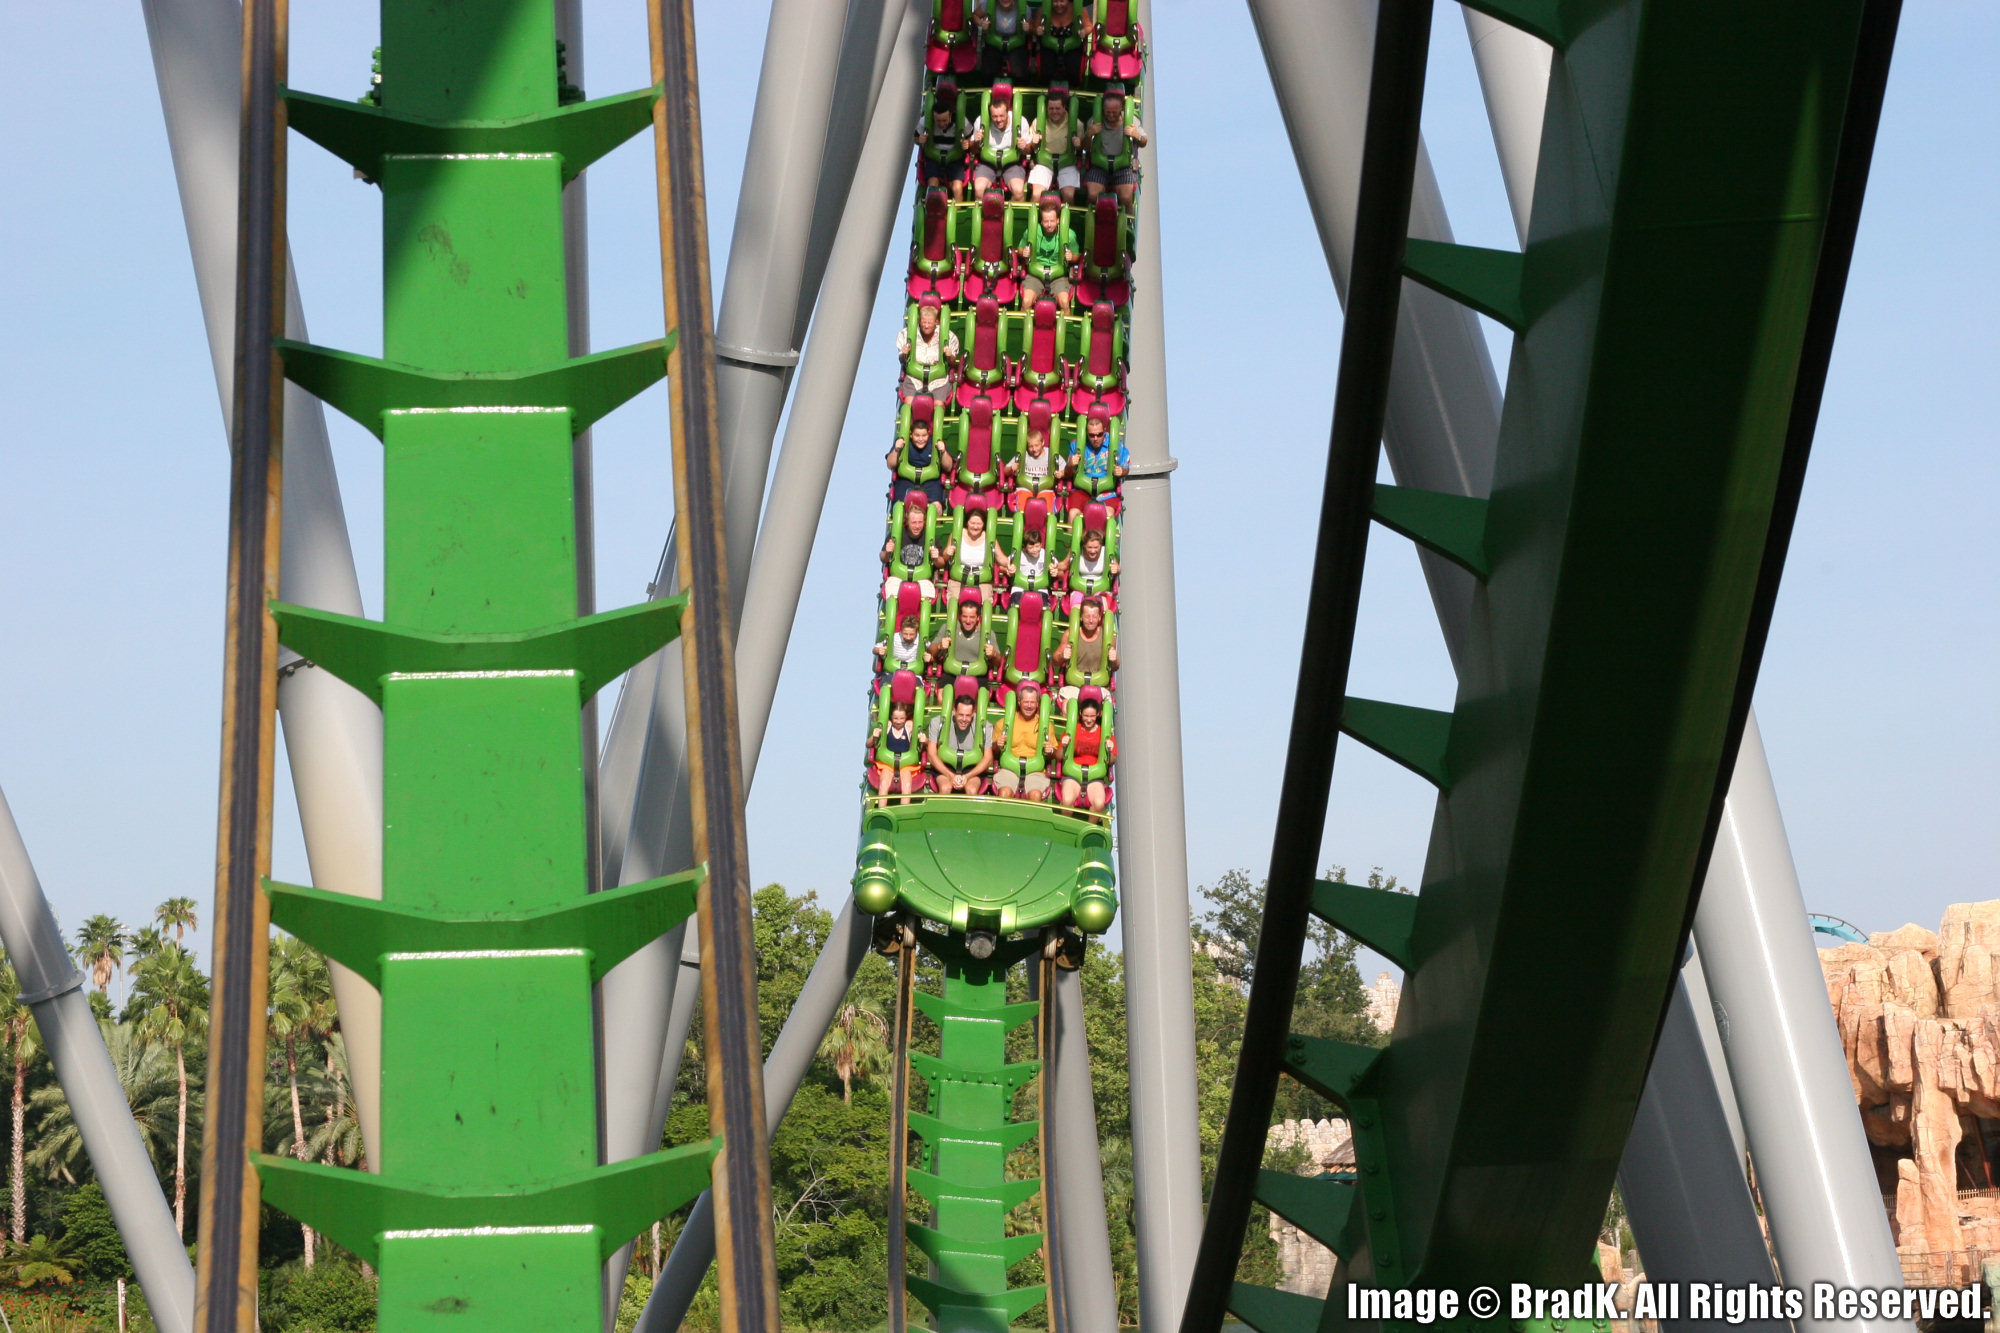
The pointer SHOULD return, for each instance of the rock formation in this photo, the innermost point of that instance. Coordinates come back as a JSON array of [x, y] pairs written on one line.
[[1919, 1015]]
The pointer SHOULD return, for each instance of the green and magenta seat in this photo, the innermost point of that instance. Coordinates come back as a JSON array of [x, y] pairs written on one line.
[[1042, 368], [985, 368], [902, 687], [974, 449], [1031, 628], [1093, 517], [1082, 489], [981, 574], [953, 43], [1101, 678], [991, 270], [1099, 769], [909, 603], [1101, 377], [920, 571], [1106, 245], [1034, 517], [951, 667], [1115, 45], [909, 473], [934, 261]]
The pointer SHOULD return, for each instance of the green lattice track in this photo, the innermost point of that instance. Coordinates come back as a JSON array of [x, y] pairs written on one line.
[[1648, 453], [490, 1210]]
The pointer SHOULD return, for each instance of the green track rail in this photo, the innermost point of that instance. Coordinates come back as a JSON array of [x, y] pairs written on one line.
[[490, 1209], [1701, 169], [1010, 875]]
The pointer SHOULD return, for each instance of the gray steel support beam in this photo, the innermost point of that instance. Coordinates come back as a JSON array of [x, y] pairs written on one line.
[[53, 990], [1444, 401], [826, 385], [1825, 1217], [1669, 1175], [760, 298], [1090, 1293], [1152, 811], [767, 257], [1792, 1086], [866, 47], [333, 734], [791, 1056]]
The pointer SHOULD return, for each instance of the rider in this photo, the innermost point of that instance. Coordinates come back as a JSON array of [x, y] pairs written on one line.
[[916, 464], [1064, 37], [1086, 751], [1086, 648], [1025, 747], [1003, 40], [902, 651], [1047, 254], [940, 153], [1098, 470], [960, 749], [1056, 155], [967, 647], [997, 144], [929, 356], [1113, 146], [890, 752], [1035, 472]]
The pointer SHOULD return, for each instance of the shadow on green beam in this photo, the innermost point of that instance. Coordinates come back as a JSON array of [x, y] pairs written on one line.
[[1417, 738], [1011, 1304], [1454, 526], [356, 1208], [1271, 1311], [1008, 1252], [1382, 919], [367, 388], [1489, 281], [610, 926], [365, 653], [1007, 1137], [362, 135], [1549, 20], [1320, 1206]]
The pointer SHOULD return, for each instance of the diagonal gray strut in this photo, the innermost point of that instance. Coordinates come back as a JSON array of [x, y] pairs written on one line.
[[333, 734], [53, 990]]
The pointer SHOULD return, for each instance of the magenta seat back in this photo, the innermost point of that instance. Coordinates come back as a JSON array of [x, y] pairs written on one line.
[[924, 408], [986, 335], [1094, 516], [1117, 17], [1036, 517], [1100, 338], [992, 230], [979, 438], [1042, 351], [951, 15], [1039, 416], [909, 599], [1104, 240], [937, 241], [965, 687], [903, 689], [1028, 634]]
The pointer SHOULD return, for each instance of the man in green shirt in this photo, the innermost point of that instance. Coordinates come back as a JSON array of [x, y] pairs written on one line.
[[1048, 254]]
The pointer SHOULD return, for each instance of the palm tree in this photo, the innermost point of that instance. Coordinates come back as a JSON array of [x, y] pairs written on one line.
[[18, 1030], [100, 946], [858, 1045], [145, 1072], [338, 1142], [301, 996], [176, 914], [172, 996], [42, 1260]]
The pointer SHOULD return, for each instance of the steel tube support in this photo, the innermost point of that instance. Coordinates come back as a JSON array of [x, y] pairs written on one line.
[[791, 1056], [1152, 812], [1390, 151], [645, 828], [1443, 414], [1089, 1293], [767, 255], [1514, 79], [53, 990], [826, 384], [1784, 1051], [333, 734], [1670, 1175]]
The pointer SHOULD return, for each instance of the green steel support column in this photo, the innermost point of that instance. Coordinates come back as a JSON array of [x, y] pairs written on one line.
[[968, 1134], [489, 1202]]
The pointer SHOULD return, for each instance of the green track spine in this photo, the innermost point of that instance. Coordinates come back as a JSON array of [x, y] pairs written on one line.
[[491, 1209]]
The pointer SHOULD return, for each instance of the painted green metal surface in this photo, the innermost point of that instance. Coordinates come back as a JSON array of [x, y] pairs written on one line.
[[970, 862], [1661, 309], [486, 944], [968, 1134]]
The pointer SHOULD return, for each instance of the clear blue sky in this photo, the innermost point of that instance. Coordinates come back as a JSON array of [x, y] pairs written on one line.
[[113, 480]]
